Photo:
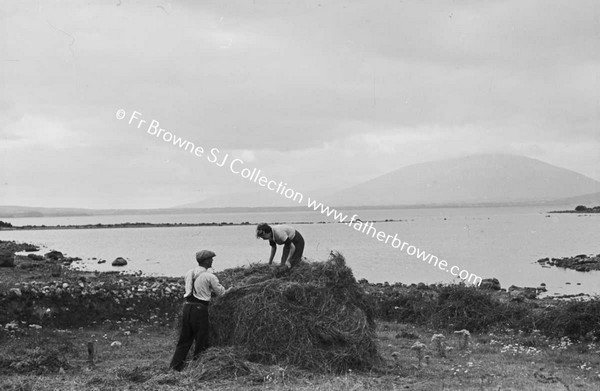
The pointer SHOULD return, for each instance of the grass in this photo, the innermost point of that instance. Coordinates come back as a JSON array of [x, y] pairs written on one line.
[[503, 361]]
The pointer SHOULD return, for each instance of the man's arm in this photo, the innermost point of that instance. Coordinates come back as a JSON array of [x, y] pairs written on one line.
[[216, 286], [273, 251], [189, 277], [292, 250]]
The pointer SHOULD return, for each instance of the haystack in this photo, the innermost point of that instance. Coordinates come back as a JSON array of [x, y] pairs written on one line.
[[314, 316]]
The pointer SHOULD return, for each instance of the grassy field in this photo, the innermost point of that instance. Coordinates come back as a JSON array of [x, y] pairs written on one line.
[[134, 355], [49, 316]]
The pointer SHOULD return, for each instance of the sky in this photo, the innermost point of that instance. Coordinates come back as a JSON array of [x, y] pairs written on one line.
[[318, 94]]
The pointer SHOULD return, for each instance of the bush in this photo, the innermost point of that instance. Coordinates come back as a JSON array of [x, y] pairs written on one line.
[[574, 319]]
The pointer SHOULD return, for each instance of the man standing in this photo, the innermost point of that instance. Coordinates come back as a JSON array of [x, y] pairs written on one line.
[[292, 241], [199, 284]]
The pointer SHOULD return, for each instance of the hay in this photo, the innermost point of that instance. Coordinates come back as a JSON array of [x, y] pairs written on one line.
[[220, 363], [314, 316], [229, 363]]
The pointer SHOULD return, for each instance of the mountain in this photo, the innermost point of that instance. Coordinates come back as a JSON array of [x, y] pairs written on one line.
[[477, 179], [467, 181]]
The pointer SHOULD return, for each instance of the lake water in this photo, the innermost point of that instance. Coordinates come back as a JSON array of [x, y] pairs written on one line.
[[489, 242]]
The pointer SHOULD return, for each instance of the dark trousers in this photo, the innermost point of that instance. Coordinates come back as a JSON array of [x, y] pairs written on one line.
[[298, 242], [194, 328]]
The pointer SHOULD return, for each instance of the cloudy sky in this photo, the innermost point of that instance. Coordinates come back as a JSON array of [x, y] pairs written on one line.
[[315, 93]]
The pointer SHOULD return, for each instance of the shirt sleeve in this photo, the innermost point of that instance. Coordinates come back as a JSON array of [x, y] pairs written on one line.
[[188, 283], [216, 286]]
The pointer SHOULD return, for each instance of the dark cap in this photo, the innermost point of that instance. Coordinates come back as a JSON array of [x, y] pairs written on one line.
[[203, 255]]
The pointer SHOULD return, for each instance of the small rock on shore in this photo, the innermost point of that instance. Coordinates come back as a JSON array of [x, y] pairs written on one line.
[[120, 261]]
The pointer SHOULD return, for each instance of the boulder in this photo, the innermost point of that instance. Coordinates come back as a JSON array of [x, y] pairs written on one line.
[[7, 259], [35, 257], [54, 255], [119, 262], [490, 283], [522, 293]]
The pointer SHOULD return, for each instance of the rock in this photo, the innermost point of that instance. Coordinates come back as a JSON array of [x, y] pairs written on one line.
[[580, 263], [16, 291], [54, 255], [7, 259], [522, 293], [490, 283], [35, 257], [119, 262]]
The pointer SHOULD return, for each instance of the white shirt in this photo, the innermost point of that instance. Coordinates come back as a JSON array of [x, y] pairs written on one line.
[[283, 232], [204, 283]]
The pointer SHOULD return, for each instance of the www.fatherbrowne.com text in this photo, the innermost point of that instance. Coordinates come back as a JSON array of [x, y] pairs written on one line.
[[238, 167]]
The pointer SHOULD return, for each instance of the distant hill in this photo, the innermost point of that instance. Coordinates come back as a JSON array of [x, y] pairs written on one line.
[[251, 199], [479, 179], [589, 200], [259, 198], [32, 211], [7, 212]]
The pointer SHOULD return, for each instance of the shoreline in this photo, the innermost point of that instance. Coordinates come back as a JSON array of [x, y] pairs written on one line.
[[168, 225], [56, 258], [581, 209], [86, 265]]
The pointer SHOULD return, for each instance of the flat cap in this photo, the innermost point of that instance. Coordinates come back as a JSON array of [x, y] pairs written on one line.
[[204, 254]]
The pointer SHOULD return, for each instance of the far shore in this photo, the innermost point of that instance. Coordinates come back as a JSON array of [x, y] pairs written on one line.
[[579, 209], [169, 225]]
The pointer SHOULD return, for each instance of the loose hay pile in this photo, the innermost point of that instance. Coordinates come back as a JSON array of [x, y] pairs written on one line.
[[314, 316], [219, 363]]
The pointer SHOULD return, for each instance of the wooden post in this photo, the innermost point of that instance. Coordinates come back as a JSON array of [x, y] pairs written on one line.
[[91, 352]]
